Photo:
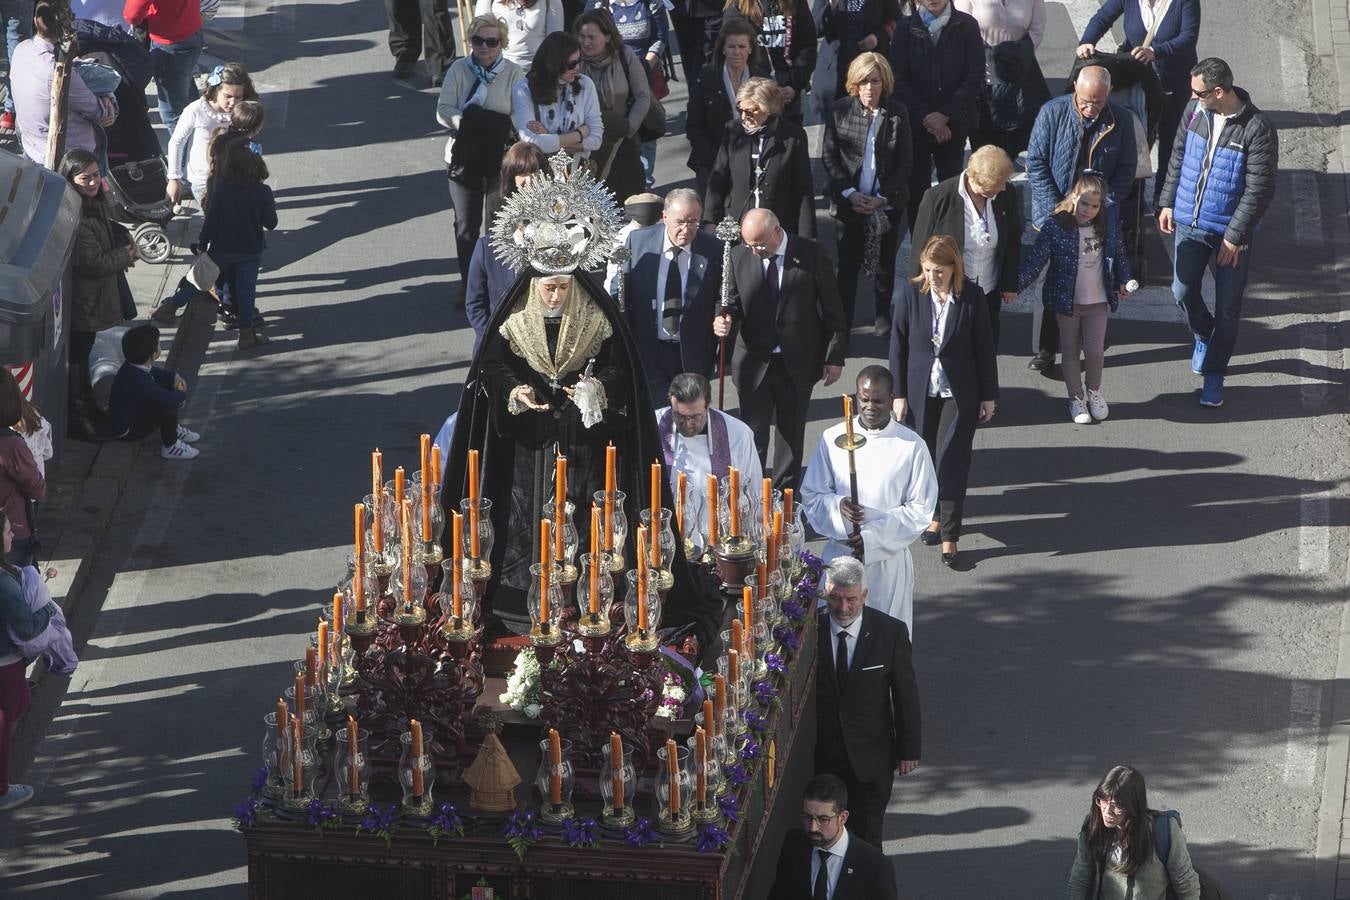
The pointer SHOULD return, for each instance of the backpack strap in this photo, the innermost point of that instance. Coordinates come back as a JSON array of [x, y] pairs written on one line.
[[1162, 834]]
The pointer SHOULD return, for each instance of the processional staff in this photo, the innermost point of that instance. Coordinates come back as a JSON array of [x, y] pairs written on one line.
[[728, 231], [851, 442]]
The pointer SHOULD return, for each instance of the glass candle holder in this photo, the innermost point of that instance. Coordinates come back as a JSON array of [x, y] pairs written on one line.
[[773, 594], [642, 620], [312, 718], [568, 563], [298, 776], [620, 527], [480, 566], [614, 779], [695, 533], [738, 690], [594, 603], [555, 783], [408, 766], [673, 797], [409, 605], [458, 625], [428, 541], [714, 782], [352, 765], [748, 511], [721, 750], [273, 756], [545, 620], [388, 530], [796, 541], [665, 578]]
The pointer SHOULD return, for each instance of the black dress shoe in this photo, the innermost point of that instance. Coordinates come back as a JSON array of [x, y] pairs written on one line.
[[949, 559], [1041, 361], [404, 68], [931, 538]]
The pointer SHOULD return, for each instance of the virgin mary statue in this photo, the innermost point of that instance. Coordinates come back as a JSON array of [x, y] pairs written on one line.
[[557, 372]]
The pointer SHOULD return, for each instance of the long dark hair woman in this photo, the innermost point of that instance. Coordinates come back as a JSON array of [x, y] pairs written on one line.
[[1118, 853], [946, 376], [621, 87], [787, 34], [555, 107], [868, 199], [712, 98], [764, 163], [103, 252]]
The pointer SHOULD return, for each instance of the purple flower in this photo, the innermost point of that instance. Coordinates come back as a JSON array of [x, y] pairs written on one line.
[[246, 813], [765, 693], [755, 722], [795, 610], [319, 813], [445, 820], [775, 662], [378, 819], [711, 838], [259, 779], [580, 832], [730, 808], [522, 826], [751, 749], [788, 638], [640, 834], [812, 562], [738, 775]]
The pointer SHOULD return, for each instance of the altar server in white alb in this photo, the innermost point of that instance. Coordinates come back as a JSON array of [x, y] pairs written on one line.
[[897, 493], [699, 440]]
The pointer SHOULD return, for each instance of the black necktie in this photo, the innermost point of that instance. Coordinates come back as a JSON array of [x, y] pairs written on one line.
[[674, 299], [771, 280], [821, 891], [841, 660]]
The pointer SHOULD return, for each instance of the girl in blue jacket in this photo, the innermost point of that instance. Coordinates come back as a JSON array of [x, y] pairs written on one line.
[[1088, 274]]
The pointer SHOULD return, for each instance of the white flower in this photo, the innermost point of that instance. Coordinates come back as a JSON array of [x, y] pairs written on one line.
[[675, 693], [665, 712], [532, 710]]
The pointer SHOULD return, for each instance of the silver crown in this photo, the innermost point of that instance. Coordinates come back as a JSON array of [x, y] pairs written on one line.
[[559, 224]]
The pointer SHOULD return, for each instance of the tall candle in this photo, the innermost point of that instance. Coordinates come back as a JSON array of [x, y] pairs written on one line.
[[418, 788], [309, 666], [719, 699], [611, 457], [737, 634], [377, 497], [733, 502], [776, 542], [734, 667], [457, 562], [353, 758], [761, 571], [616, 764], [559, 503], [848, 416], [322, 640], [359, 553], [673, 771], [436, 464], [400, 487], [405, 509], [300, 696], [339, 619], [787, 505], [748, 612], [473, 505], [283, 718], [681, 486], [426, 486], [710, 720], [611, 466], [595, 560], [297, 756], [712, 510], [545, 566], [765, 504], [701, 765], [554, 768], [655, 505], [642, 578]]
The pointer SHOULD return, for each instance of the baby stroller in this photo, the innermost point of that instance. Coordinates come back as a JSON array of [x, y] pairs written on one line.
[[137, 172]]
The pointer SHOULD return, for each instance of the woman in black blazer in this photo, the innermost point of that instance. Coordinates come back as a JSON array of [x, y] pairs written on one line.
[[858, 196], [984, 215], [763, 162], [946, 375], [712, 97]]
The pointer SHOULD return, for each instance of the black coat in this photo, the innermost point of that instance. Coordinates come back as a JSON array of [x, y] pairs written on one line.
[[842, 152], [876, 718], [698, 346], [709, 114], [785, 180], [876, 13], [947, 77], [942, 212], [867, 873], [808, 323]]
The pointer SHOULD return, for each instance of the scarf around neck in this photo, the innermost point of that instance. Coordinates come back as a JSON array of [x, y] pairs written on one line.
[[936, 23], [584, 328], [485, 76]]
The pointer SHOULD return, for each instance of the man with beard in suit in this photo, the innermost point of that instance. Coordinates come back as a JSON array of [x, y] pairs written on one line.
[[790, 333], [823, 861]]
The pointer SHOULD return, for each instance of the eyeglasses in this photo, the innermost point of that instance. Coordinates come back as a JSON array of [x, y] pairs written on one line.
[[479, 41], [1200, 95], [821, 821], [1110, 804], [686, 223], [696, 417], [751, 111], [572, 64]]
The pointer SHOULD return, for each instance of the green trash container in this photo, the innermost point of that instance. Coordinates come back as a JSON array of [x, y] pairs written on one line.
[[39, 218]]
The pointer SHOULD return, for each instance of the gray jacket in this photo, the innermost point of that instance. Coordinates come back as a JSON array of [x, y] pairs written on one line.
[[1149, 883]]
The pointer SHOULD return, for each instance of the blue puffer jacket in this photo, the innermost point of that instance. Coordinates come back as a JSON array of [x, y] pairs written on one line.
[[1059, 246], [1053, 152], [1232, 196]]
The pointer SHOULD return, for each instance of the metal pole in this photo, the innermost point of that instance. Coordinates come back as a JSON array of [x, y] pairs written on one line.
[[728, 231]]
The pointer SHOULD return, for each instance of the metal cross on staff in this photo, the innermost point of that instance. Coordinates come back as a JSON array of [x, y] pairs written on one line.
[[620, 255], [727, 231]]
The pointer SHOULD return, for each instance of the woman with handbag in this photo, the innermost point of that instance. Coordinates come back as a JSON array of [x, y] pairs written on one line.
[[1118, 856], [555, 107], [786, 31], [712, 98], [624, 95], [475, 105]]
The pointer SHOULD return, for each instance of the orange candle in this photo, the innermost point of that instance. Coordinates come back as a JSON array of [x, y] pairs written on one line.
[[761, 572], [848, 416], [701, 764], [733, 502], [787, 504], [418, 787], [611, 466], [473, 505], [554, 768], [709, 714], [766, 504], [309, 666], [405, 511], [616, 763], [734, 667], [737, 634], [776, 542], [359, 552], [400, 487], [283, 717], [611, 457], [712, 510], [457, 571], [545, 565], [673, 770], [748, 614], [719, 700], [297, 761], [680, 489], [656, 492], [322, 638], [436, 464], [426, 487], [353, 758], [339, 620], [300, 696], [377, 496], [595, 560], [559, 503], [642, 579]]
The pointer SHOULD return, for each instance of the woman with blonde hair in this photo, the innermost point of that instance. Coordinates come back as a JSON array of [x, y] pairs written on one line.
[[946, 375], [867, 155], [763, 163], [982, 212]]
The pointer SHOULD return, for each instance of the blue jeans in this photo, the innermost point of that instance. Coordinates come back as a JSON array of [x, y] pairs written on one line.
[[174, 67], [17, 19], [1196, 251], [239, 272]]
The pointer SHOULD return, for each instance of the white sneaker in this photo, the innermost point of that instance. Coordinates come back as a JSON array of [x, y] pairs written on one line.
[[1097, 405], [179, 450], [1078, 412], [188, 436]]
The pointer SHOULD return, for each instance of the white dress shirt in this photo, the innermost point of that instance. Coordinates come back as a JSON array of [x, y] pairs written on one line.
[[851, 641], [662, 273], [980, 253], [1150, 11], [834, 863], [938, 385]]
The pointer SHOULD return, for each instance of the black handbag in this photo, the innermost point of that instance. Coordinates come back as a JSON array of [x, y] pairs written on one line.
[[480, 143]]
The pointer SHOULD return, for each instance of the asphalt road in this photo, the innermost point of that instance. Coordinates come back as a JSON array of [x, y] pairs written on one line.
[[1165, 589]]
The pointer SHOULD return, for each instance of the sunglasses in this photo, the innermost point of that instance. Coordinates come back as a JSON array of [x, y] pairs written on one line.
[[1200, 95], [480, 41], [572, 64], [751, 111]]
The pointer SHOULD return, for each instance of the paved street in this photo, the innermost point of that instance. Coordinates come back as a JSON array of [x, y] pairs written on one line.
[[1165, 589]]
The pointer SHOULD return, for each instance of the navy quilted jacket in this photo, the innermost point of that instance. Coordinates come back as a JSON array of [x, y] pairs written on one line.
[[1053, 151], [1059, 247]]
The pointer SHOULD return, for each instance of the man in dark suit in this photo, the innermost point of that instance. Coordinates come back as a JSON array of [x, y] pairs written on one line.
[[790, 333], [867, 698], [671, 285], [823, 862], [487, 282]]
